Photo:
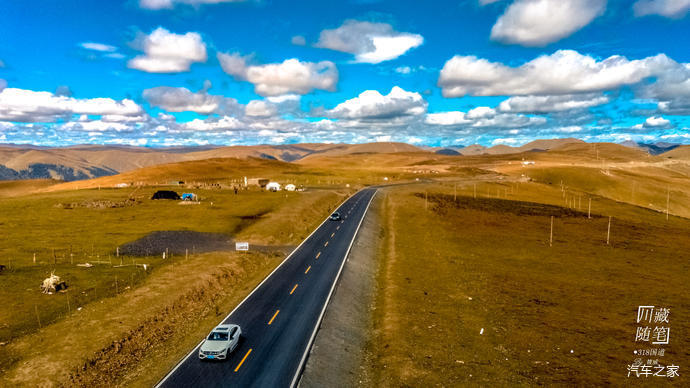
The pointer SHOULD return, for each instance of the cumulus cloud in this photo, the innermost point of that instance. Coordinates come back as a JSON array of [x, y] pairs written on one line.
[[174, 99], [656, 122], [563, 72], [540, 22], [483, 117], [29, 106], [275, 79], [667, 8], [95, 126], [3, 84], [369, 42], [224, 123], [371, 104], [169, 4], [167, 52], [546, 104], [447, 118], [259, 108]]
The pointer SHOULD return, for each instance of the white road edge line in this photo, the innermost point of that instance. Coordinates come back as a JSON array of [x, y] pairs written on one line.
[[328, 299], [182, 361]]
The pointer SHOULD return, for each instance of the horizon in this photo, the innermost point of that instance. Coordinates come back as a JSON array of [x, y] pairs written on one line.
[[169, 73]]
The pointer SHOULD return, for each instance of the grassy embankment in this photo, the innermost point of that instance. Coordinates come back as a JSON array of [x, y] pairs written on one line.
[[47, 336], [469, 264]]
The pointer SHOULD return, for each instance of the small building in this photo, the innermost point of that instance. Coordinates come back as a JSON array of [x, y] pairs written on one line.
[[189, 197], [273, 186], [165, 194], [290, 187], [120, 185]]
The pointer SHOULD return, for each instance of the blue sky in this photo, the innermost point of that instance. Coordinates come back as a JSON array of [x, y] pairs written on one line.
[[186, 72]]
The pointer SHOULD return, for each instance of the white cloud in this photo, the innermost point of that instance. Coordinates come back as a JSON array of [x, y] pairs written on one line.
[[403, 70], [668, 8], [483, 117], [298, 40], [95, 126], [545, 104], [540, 22], [275, 79], [656, 121], [3, 84], [563, 72], [169, 4], [225, 123], [284, 98], [30, 106], [167, 52], [259, 108], [174, 99], [369, 42], [447, 118], [371, 104], [98, 47]]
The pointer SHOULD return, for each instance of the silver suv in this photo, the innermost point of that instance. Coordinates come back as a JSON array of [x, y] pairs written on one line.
[[220, 342]]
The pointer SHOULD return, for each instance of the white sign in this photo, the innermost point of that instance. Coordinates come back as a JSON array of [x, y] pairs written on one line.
[[241, 246]]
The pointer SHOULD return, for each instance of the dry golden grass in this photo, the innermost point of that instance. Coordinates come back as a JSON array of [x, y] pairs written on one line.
[[462, 266]]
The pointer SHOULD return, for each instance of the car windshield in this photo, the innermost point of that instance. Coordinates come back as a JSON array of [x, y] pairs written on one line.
[[216, 336]]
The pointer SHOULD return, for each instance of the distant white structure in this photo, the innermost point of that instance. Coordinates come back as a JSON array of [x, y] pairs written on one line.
[[290, 187], [385, 178], [527, 162], [273, 186], [121, 185]]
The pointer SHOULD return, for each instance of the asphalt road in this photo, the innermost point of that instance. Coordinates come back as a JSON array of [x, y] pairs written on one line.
[[279, 318]]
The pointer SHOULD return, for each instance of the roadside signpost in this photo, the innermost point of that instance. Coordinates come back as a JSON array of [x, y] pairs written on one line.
[[241, 246]]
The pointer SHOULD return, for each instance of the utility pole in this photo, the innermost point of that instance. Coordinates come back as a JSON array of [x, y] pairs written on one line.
[[668, 200], [589, 208], [551, 235], [608, 232]]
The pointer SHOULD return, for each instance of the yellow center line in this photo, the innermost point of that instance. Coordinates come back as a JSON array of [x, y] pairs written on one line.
[[293, 289], [308, 268], [242, 362], [332, 234], [326, 244], [274, 317], [318, 254]]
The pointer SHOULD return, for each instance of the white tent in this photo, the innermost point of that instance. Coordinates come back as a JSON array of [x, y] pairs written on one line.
[[273, 186], [290, 187]]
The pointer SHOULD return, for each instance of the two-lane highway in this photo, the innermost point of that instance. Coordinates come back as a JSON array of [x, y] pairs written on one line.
[[279, 319]]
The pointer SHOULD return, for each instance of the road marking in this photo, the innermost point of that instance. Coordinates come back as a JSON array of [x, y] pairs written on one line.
[[274, 317], [242, 362], [332, 234], [342, 222], [337, 227], [293, 289], [326, 244], [318, 254], [308, 268]]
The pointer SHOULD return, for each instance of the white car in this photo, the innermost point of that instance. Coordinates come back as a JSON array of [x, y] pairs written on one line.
[[220, 342]]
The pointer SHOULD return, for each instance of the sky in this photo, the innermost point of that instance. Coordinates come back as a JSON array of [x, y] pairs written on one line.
[[161, 73]]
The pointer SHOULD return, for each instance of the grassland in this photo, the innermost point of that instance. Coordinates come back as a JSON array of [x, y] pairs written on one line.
[[471, 293], [109, 302]]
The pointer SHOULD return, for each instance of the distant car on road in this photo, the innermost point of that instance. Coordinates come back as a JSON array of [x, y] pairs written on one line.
[[335, 216], [220, 342]]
